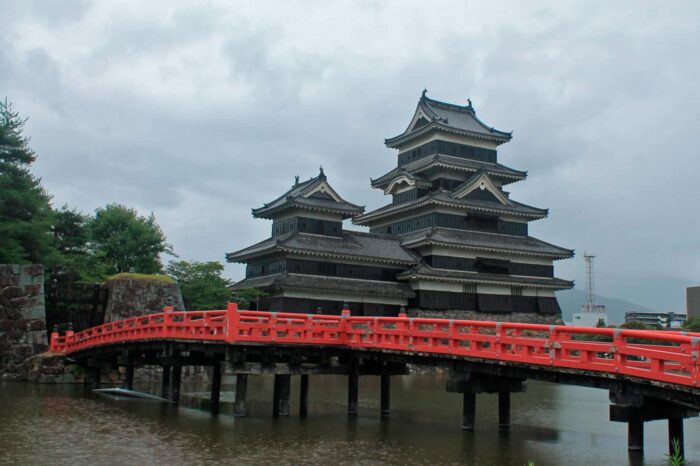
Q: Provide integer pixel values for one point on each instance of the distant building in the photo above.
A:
(450, 240)
(657, 319)
(590, 317)
(692, 299)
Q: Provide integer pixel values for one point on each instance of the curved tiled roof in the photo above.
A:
(427, 272)
(451, 118)
(506, 174)
(444, 198)
(478, 240)
(296, 196)
(352, 244)
(311, 283)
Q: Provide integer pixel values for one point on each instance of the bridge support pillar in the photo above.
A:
(503, 410)
(239, 403)
(165, 383)
(471, 383)
(129, 374)
(675, 434)
(303, 395)
(175, 379)
(215, 389)
(635, 435)
(353, 390)
(469, 411)
(280, 395)
(634, 408)
(385, 395)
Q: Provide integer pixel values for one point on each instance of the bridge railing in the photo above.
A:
(657, 355)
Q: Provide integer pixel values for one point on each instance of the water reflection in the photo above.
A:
(551, 425)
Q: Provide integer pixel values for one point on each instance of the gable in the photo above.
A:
(322, 195)
(323, 189)
(419, 120)
(481, 182)
(481, 195)
(399, 182)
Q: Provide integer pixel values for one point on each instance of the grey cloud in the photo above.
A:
(199, 114)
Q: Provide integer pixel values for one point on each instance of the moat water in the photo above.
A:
(551, 425)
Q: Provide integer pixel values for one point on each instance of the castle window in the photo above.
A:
(469, 288)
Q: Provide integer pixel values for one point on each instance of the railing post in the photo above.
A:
(70, 335)
(499, 336)
(404, 323)
(553, 345)
(232, 320)
(343, 337)
(53, 341)
(619, 342)
(167, 320)
(695, 354)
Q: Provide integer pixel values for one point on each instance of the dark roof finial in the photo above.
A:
(321, 175)
(425, 91)
(296, 180)
(469, 103)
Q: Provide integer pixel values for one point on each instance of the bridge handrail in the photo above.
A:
(650, 354)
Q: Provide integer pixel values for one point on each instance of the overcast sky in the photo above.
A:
(200, 112)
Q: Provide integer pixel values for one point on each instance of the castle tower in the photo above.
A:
(449, 207)
(310, 264)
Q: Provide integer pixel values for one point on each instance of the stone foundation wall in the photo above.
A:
(22, 316)
(526, 317)
(130, 297)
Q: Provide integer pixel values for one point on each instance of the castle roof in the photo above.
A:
(426, 272)
(483, 241)
(321, 283)
(503, 173)
(431, 115)
(351, 245)
(443, 198)
(314, 194)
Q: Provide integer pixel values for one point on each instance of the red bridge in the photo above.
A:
(650, 374)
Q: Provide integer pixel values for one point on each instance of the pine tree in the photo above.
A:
(25, 211)
(124, 241)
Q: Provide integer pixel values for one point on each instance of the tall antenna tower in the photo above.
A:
(589, 279)
(590, 305)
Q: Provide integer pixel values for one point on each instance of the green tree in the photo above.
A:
(692, 324)
(248, 296)
(72, 259)
(201, 284)
(124, 241)
(25, 211)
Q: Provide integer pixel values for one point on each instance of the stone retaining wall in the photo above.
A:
(22, 316)
(136, 297)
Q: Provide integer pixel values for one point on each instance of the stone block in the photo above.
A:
(11, 292)
(36, 325)
(20, 302)
(34, 313)
(135, 297)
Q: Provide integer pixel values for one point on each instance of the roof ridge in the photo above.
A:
(303, 184)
